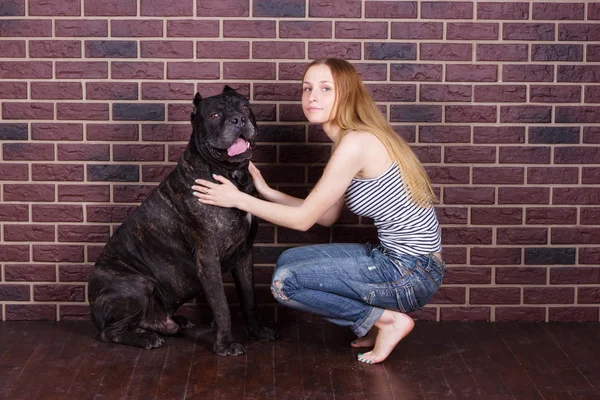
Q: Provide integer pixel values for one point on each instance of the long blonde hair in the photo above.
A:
(355, 110)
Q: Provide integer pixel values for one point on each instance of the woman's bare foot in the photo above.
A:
(366, 341)
(393, 326)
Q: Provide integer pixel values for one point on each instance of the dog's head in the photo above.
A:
(224, 126)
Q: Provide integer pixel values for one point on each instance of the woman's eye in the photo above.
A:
(325, 89)
(307, 89)
(214, 115)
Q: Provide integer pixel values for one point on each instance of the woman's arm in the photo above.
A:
(327, 194)
(278, 197)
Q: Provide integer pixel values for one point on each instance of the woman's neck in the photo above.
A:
(332, 131)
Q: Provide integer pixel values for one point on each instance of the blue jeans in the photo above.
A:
(352, 284)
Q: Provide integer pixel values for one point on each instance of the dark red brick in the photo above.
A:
(113, 173)
(337, 9)
(366, 234)
(582, 235)
(445, 93)
(455, 255)
(30, 273)
(249, 70)
(316, 234)
(74, 272)
(137, 70)
(551, 216)
(465, 314)
(552, 175)
(499, 134)
(439, 175)
(471, 31)
(14, 252)
(502, 52)
(527, 73)
(521, 275)
(81, 28)
(110, 7)
(449, 295)
(373, 51)
(578, 73)
(446, 51)
(167, 91)
(83, 152)
(575, 275)
(28, 192)
(56, 131)
(497, 295)
(577, 155)
(391, 9)
(13, 48)
(470, 154)
(471, 73)
(520, 114)
(56, 172)
(527, 31)
(526, 236)
(79, 111)
(416, 113)
(496, 216)
(221, 8)
(556, 52)
(504, 10)
(58, 292)
(573, 314)
(553, 135)
(555, 94)
(192, 28)
(82, 70)
(14, 212)
(69, 312)
(304, 153)
(579, 32)
(279, 49)
(591, 134)
(592, 94)
(590, 176)
(417, 30)
(138, 152)
(167, 49)
(159, 8)
(593, 52)
(416, 72)
(136, 28)
(462, 235)
(25, 69)
(56, 90)
(588, 295)
(452, 215)
(576, 195)
(499, 175)
(574, 114)
(30, 312)
(249, 29)
(57, 253)
(361, 30)
(83, 193)
(111, 91)
(481, 114)
(80, 233)
(28, 233)
(179, 112)
(56, 213)
(444, 133)
(271, 8)
(393, 92)
(304, 29)
(527, 195)
(428, 154)
(110, 49)
(447, 9)
(27, 110)
(113, 213)
(558, 11)
(467, 275)
(13, 90)
(212, 89)
(500, 93)
(14, 172)
(25, 27)
(165, 132)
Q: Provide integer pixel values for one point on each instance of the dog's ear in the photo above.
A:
(197, 99)
(227, 88)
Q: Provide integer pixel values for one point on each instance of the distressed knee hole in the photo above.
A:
(276, 290)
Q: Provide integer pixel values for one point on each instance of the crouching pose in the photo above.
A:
(372, 170)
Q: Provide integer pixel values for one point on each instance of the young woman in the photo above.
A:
(373, 171)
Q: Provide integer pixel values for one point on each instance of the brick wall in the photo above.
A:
(499, 99)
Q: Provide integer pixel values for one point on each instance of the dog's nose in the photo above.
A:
(238, 121)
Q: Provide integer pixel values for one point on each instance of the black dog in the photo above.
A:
(172, 248)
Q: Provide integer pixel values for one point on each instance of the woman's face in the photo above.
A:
(318, 94)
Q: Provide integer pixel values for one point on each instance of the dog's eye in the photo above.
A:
(214, 115)
(245, 107)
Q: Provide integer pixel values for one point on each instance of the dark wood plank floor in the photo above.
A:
(65, 360)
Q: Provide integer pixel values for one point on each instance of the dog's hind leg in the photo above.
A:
(159, 320)
(118, 308)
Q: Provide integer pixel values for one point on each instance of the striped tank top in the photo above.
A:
(403, 227)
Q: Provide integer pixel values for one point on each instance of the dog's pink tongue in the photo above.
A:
(238, 147)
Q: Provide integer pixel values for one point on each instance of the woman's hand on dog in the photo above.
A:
(259, 182)
(223, 194)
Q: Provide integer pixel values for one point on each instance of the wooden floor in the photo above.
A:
(43, 360)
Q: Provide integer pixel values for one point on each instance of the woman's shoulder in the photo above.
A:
(363, 137)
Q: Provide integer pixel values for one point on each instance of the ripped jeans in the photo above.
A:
(352, 284)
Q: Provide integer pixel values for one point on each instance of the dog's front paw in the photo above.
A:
(229, 349)
(264, 334)
(150, 340)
